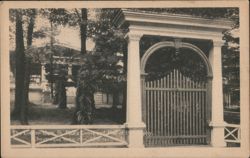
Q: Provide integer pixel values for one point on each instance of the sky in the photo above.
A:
(69, 36)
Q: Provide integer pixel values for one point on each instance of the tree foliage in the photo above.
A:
(100, 70)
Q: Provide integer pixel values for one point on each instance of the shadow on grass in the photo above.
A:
(47, 114)
(50, 114)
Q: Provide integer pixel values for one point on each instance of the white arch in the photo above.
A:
(159, 45)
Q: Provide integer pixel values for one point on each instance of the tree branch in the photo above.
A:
(78, 15)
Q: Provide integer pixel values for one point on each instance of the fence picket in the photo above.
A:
(162, 108)
(177, 106)
(174, 106)
(158, 109)
(168, 109)
(151, 107)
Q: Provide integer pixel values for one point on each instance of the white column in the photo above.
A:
(70, 70)
(43, 83)
(43, 79)
(134, 106)
(69, 73)
(217, 120)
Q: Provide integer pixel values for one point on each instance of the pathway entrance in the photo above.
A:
(175, 94)
(141, 24)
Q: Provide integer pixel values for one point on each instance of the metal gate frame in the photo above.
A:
(175, 108)
(177, 44)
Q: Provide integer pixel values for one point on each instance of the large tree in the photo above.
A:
(56, 17)
(22, 61)
(85, 84)
(28, 60)
(100, 70)
(26, 55)
(20, 56)
(111, 46)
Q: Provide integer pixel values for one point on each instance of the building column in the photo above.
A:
(134, 106)
(69, 76)
(217, 118)
(70, 70)
(43, 78)
(44, 85)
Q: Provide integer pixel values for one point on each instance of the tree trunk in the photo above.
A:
(22, 68)
(25, 100)
(85, 104)
(115, 99)
(83, 29)
(28, 59)
(51, 60)
(93, 101)
(56, 95)
(20, 57)
(31, 28)
(62, 98)
(27, 70)
(77, 102)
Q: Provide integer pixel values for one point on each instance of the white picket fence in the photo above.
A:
(85, 136)
(68, 136)
(232, 133)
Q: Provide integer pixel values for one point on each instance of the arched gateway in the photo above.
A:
(139, 24)
(176, 108)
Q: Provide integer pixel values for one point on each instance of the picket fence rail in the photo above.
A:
(68, 136)
(232, 133)
(85, 136)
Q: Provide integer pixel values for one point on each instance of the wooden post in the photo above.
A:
(33, 138)
(81, 135)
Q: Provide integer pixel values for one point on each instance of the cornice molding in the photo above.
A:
(175, 32)
(125, 17)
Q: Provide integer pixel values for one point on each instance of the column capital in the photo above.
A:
(133, 36)
(218, 43)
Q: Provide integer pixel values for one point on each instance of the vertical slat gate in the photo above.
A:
(176, 111)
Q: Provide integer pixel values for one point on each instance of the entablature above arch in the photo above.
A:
(183, 26)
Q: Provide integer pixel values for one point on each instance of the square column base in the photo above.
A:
(135, 134)
(217, 135)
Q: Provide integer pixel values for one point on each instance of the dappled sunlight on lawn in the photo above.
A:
(49, 114)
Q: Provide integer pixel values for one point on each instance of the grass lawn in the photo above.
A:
(49, 114)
